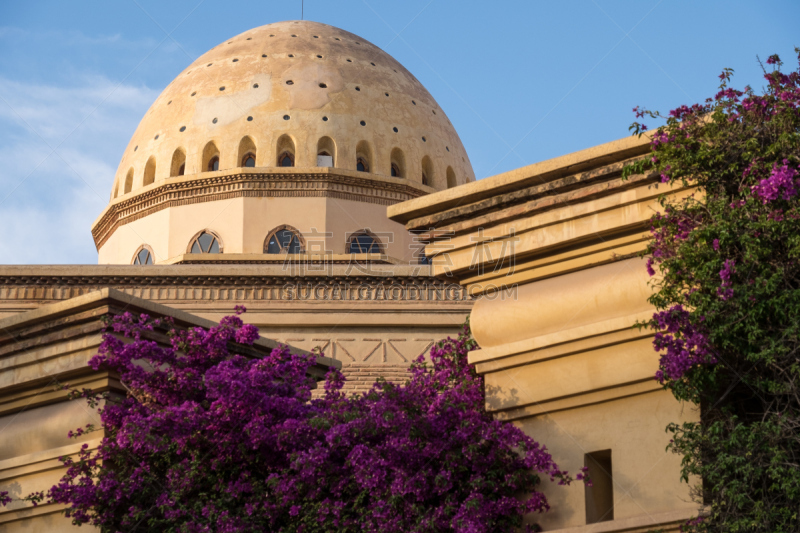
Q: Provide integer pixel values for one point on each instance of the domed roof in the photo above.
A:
(300, 87)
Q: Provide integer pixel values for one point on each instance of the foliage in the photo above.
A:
(207, 440)
(728, 297)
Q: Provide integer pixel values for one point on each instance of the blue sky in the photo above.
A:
(522, 81)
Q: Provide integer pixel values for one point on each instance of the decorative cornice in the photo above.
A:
(280, 183)
(237, 288)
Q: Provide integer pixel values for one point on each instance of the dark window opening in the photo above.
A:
(249, 160)
(144, 257)
(395, 171)
(600, 496)
(182, 169)
(284, 241)
(213, 164)
(361, 165)
(364, 244)
(205, 243)
(424, 179)
(286, 159)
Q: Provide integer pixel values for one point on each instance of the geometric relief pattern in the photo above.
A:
(365, 349)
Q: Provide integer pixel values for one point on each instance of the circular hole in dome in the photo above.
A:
(371, 63)
(235, 60)
(294, 35)
(337, 38)
(434, 111)
(255, 86)
(325, 119)
(363, 123)
(183, 128)
(291, 55)
(394, 129)
(249, 119)
(272, 35)
(358, 42)
(424, 140)
(169, 102)
(447, 148)
(263, 55)
(135, 147)
(289, 82)
(319, 56)
(230, 42)
(358, 88)
(323, 86)
(387, 94)
(214, 121)
(316, 37)
(222, 88)
(249, 38)
(194, 93)
(413, 102)
(156, 137)
(394, 69)
(286, 117)
(349, 60)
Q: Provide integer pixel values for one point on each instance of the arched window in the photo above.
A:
(205, 242)
(128, 182)
(427, 171)
(285, 151)
(286, 159)
(116, 189)
(284, 240)
(363, 243)
(178, 166)
(149, 171)
(451, 178)
(210, 158)
(326, 152)
(143, 256)
(398, 168)
(247, 152)
(363, 156)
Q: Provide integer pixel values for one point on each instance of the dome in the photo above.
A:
(292, 105)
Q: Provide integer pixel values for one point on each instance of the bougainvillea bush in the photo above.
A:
(207, 440)
(726, 266)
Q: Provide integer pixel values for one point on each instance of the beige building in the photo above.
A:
(262, 176)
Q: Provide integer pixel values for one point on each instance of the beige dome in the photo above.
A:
(210, 155)
(302, 81)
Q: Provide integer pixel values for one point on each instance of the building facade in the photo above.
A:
(262, 176)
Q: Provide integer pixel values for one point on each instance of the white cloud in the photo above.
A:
(49, 199)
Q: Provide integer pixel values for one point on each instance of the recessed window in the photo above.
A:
(213, 164)
(363, 243)
(286, 159)
(205, 243)
(143, 257)
(395, 171)
(425, 179)
(424, 259)
(600, 496)
(283, 241)
(182, 169)
(362, 165)
(249, 160)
